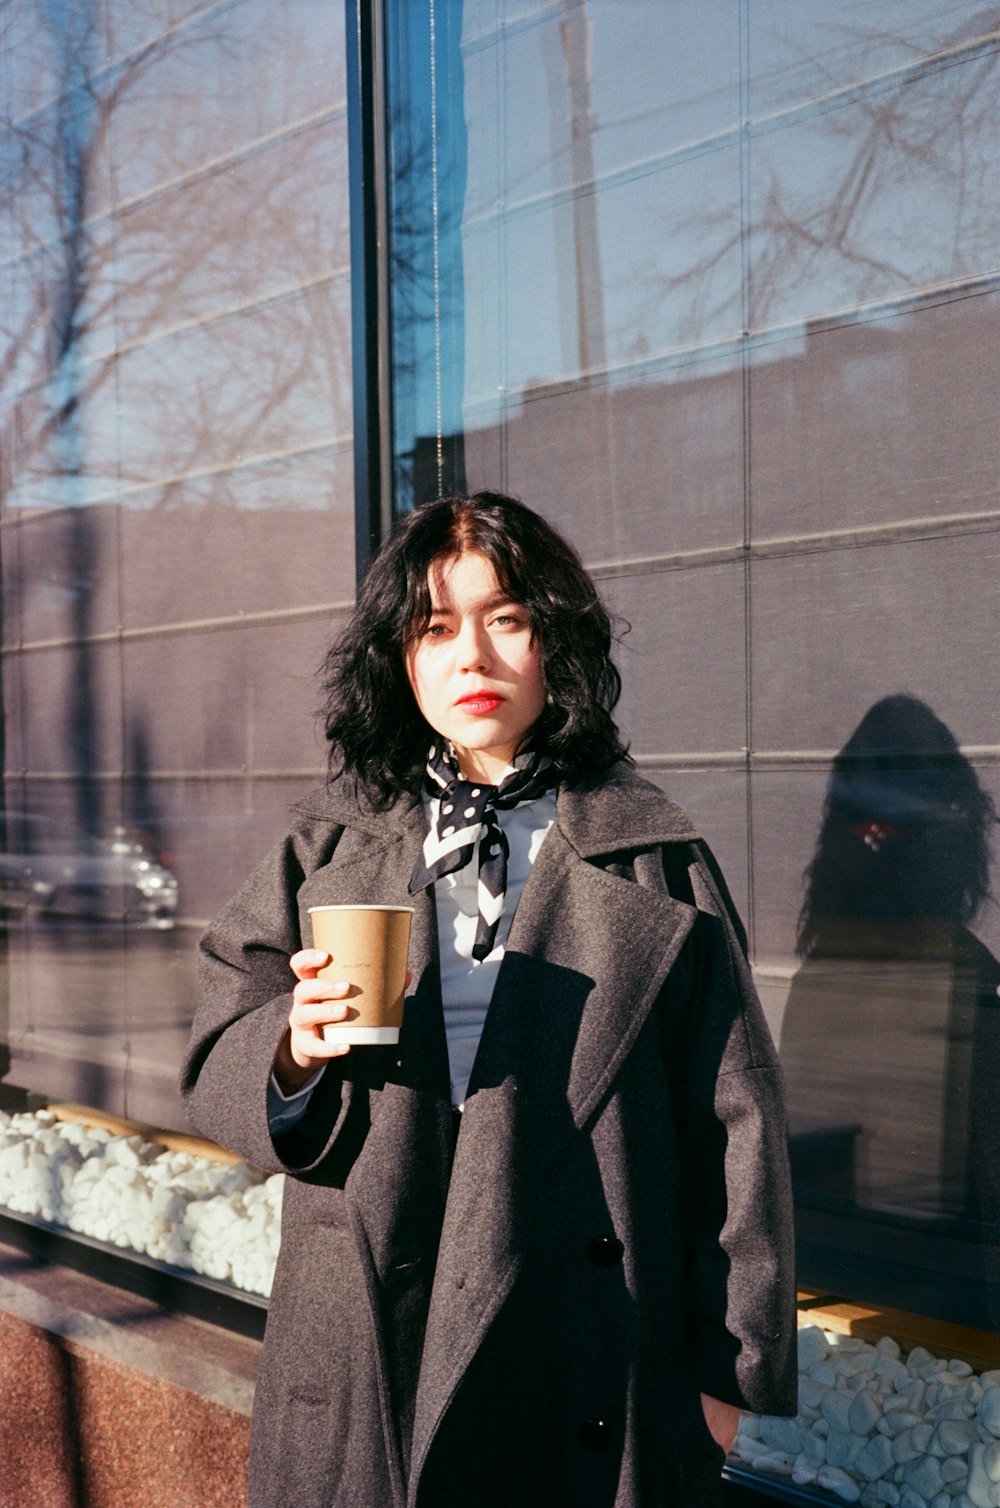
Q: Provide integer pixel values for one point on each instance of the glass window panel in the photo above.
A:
(176, 498)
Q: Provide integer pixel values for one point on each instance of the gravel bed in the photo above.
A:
(221, 1220)
(878, 1427)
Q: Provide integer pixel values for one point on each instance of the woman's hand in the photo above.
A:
(314, 1003)
(722, 1420)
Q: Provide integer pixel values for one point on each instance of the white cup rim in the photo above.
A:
(361, 906)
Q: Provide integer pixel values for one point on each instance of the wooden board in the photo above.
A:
(980, 1348)
(173, 1141)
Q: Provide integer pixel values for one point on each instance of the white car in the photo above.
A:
(48, 869)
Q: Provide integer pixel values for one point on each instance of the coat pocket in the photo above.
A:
(678, 1458)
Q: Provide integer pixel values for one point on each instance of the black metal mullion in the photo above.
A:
(368, 207)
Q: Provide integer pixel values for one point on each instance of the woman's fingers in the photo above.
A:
(316, 1002)
(308, 961)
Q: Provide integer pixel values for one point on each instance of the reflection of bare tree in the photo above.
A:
(174, 307)
(882, 182)
(124, 343)
(897, 140)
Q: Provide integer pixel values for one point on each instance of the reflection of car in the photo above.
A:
(50, 869)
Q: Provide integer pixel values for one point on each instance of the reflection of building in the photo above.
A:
(772, 435)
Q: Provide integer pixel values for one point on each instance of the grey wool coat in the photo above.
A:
(527, 1315)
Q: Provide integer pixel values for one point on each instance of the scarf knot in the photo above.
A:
(467, 818)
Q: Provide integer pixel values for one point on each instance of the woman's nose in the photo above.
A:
(473, 647)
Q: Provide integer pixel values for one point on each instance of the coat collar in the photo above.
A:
(619, 810)
(603, 814)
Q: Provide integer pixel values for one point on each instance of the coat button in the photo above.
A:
(606, 1251)
(595, 1434)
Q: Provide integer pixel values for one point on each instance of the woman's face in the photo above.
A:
(476, 668)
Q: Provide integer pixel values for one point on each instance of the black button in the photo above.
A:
(606, 1251)
(595, 1434)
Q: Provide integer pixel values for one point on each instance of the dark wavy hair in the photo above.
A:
(374, 726)
(906, 828)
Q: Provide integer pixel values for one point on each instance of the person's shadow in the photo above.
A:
(890, 1040)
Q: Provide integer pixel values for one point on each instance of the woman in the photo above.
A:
(540, 1252)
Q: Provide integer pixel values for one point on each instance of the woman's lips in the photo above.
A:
(480, 703)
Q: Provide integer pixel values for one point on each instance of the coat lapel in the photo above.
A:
(587, 955)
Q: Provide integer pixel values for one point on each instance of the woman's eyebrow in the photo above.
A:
(487, 605)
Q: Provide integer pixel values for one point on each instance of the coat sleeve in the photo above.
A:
(245, 989)
(734, 1160)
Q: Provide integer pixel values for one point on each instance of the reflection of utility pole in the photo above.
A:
(576, 31)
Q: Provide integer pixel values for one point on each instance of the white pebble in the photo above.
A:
(842, 1448)
(876, 1459)
(981, 1489)
(835, 1480)
(810, 1394)
(813, 1448)
(836, 1408)
(781, 1434)
(812, 1346)
(989, 1409)
(864, 1413)
(778, 1462)
(924, 1476)
(901, 1419)
(955, 1436)
(991, 1460)
(748, 1449)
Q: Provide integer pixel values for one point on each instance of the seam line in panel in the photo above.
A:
(903, 531)
(183, 327)
(214, 776)
(735, 762)
(337, 445)
(276, 615)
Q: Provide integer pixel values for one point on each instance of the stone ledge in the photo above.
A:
(107, 1399)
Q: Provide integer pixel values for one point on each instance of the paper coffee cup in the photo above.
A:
(368, 945)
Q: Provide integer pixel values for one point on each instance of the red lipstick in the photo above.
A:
(479, 702)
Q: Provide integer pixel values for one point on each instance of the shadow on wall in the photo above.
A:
(891, 1037)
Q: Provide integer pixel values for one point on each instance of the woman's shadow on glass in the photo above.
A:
(891, 1036)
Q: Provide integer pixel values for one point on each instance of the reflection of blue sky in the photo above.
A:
(858, 200)
(178, 202)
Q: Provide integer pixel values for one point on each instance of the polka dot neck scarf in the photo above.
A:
(467, 816)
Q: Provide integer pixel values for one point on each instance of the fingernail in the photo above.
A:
(341, 984)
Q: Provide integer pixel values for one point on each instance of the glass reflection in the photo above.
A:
(175, 439)
(891, 1035)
